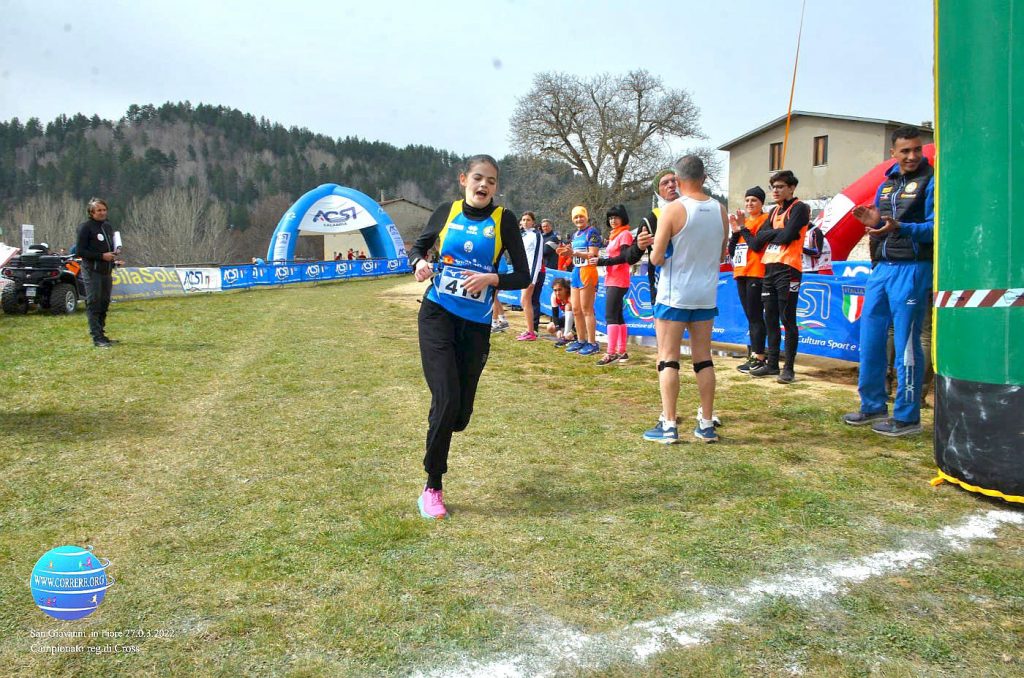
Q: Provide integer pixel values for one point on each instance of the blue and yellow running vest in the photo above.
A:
(466, 247)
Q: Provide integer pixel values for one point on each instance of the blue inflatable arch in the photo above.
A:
(331, 208)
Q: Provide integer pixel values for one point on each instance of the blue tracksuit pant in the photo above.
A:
(897, 294)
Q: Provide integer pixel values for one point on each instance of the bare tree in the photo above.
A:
(56, 218)
(614, 131)
(176, 226)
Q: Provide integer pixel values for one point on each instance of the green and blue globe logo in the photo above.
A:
(69, 582)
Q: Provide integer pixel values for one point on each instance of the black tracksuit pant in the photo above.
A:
(781, 293)
(453, 352)
(537, 289)
(98, 287)
(749, 289)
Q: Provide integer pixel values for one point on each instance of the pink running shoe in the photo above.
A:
(529, 335)
(431, 504)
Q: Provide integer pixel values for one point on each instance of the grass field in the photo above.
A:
(250, 463)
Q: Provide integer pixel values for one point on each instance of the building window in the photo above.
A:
(775, 157)
(820, 151)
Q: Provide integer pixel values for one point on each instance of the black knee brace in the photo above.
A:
(668, 364)
(697, 367)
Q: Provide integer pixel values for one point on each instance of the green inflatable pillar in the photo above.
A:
(979, 260)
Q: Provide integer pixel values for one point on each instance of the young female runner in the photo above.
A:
(454, 318)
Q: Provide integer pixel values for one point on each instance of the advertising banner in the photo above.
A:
(851, 269)
(828, 313)
(280, 274)
(145, 283)
(315, 272)
(141, 283)
(344, 269)
(200, 279)
(237, 277)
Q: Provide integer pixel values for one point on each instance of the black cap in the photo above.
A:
(756, 191)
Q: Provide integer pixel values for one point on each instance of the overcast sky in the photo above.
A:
(448, 74)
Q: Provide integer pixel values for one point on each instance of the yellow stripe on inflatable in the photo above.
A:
(938, 480)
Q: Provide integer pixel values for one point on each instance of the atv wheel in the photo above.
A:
(63, 299)
(13, 299)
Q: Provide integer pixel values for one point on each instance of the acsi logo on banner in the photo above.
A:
(231, 275)
(393, 264)
(340, 269)
(335, 216)
(283, 272)
(313, 271)
(194, 279)
(368, 267)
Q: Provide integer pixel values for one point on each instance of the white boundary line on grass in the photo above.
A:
(559, 647)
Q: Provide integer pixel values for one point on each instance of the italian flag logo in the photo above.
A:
(853, 303)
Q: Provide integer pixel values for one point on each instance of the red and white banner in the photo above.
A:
(980, 298)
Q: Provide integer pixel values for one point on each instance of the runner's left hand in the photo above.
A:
(478, 282)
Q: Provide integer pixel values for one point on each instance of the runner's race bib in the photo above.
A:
(580, 261)
(452, 281)
(739, 256)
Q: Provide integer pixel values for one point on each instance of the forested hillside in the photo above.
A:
(236, 173)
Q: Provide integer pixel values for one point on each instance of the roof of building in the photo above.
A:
(782, 118)
(385, 203)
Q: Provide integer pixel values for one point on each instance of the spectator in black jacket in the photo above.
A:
(551, 243)
(99, 256)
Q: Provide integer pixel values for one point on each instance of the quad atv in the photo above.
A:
(51, 281)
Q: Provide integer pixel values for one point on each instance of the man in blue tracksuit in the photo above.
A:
(901, 225)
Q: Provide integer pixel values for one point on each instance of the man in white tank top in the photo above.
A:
(693, 232)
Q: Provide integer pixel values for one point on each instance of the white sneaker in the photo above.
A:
(714, 418)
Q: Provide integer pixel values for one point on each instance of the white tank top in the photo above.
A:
(689, 276)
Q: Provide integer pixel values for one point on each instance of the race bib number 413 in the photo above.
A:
(453, 282)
